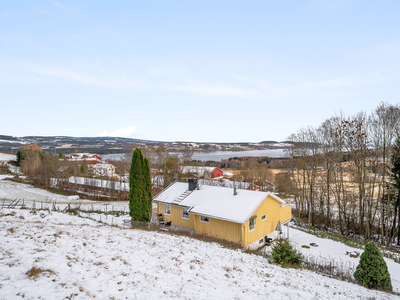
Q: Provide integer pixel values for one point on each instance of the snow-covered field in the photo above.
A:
(90, 260)
(10, 191)
(7, 157)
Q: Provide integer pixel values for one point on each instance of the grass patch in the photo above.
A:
(35, 272)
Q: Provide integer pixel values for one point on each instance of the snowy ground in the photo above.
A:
(96, 268)
(7, 157)
(9, 191)
(332, 250)
(89, 260)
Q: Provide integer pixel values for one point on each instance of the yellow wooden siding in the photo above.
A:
(220, 229)
(235, 232)
(269, 207)
(176, 216)
(286, 213)
(160, 208)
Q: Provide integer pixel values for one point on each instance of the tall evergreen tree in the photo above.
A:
(395, 182)
(140, 197)
(148, 198)
(136, 187)
(372, 270)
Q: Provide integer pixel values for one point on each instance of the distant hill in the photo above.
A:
(69, 144)
(110, 145)
(86, 139)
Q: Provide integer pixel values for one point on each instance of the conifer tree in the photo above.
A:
(136, 187)
(372, 270)
(147, 203)
(395, 182)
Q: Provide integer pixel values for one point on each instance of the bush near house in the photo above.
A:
(4, 168)
(372, 270)
(285, 254)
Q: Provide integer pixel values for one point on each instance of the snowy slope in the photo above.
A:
(95, 261)
(334, 250)
(7, 157)
(10, 191)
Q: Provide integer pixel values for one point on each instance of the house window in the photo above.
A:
(204, 219)
(167, 209)
(263, 217)
(252, 223)
(185, 213)
(261, 241)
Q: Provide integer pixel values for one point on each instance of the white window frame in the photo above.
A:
(204, 221)
(263, 217)
(167, 211)
(254, 224)
(183, 216)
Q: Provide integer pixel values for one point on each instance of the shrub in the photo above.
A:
(285, 254)
(372, 270)
(35, 272)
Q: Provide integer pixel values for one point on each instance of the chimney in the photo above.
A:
(192, 184)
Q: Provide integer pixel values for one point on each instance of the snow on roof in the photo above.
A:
(228, 174)
(216, 202)
(225, 183)
(169, 194)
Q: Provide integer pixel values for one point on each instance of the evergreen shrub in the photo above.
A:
(285, 254)
(372, 270)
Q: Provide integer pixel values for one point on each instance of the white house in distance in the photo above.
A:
(103, 170)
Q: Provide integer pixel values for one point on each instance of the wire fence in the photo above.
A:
(104, 213)
(334, 267)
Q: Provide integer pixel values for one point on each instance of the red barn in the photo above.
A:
(217, 173)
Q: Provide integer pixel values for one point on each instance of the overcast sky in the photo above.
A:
(193, 70)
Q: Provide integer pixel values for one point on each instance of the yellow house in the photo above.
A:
(242, 216)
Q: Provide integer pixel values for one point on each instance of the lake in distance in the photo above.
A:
(217, 155)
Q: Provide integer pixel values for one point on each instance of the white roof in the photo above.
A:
(215, 202)
(225, 183)
(197, 169)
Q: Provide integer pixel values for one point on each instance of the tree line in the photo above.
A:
(345, 174)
